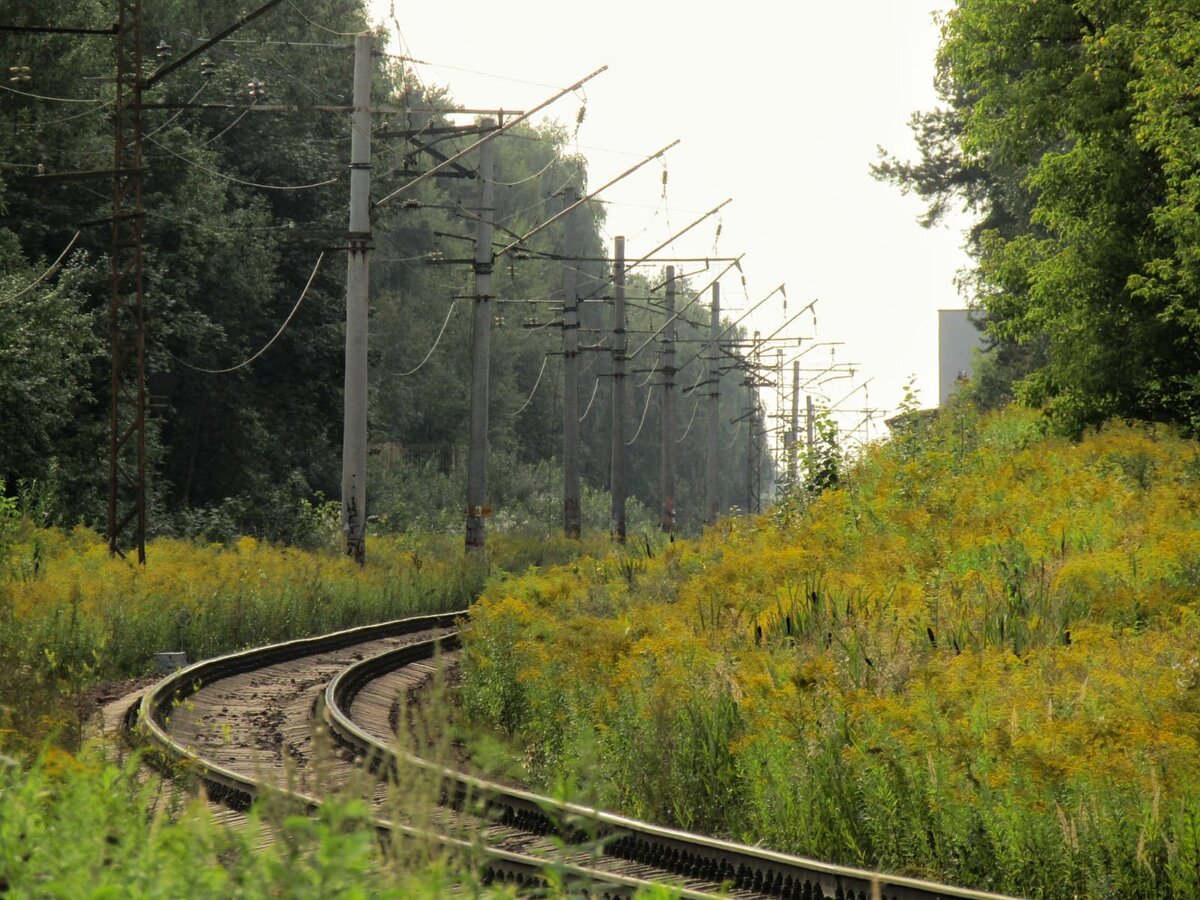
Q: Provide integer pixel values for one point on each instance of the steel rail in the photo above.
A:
(750, 869)
(146, 720)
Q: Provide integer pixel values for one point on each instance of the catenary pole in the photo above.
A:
(126, 308)
(354, 424)
(667, 457)
(793, 433)
(571, 514)
(810, 424)
(617, 475)
(711, 487)
(481, 335)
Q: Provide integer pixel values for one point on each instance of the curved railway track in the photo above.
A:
(260, 721)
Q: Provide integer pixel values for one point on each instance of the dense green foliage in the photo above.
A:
(239, 205)
(1070, 129)
(76, 827)
(88, 827)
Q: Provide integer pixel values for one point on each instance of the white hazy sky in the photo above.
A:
(779, 105)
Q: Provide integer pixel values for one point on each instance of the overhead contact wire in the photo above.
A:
(595, 390)
(529, 399)
(51, 99)
(695, 406)
(253, 184)
(301, 14)
(267, 345)
(645, 409)
(54, 265)
(437, 341)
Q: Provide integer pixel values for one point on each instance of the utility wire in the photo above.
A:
(526, 179)
(434, 65)
(402, 259)
(224, 131)
(437, 341)
(217, 136)
(301, 14)
(595, 390)
(529, 399)
(267, 345)
(54, 265)
(562, 212)
(695, 406)
(736, 433)
(52, 99)
(645, 409)
(653, 369)
(224, 229)
(253, 184)
(402, 41)
(179, 112)
(42, 123)
(542, 202)
(503, 129)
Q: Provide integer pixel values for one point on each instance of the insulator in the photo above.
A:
(207, 67)
(162, 50)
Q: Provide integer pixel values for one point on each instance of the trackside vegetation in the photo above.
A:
(85, 825)
(78, 820)
(72, 615)
(973, 659)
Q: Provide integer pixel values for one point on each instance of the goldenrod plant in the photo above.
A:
(973, 658)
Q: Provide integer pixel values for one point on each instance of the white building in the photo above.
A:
(958, 338)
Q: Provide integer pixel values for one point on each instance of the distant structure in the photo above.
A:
(958, 337)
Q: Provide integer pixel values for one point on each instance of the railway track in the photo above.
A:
(265, 721)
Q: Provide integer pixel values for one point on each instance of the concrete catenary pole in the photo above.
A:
(810, 424)
(617, 475)
(571, 514)
(711, 486)
(481, 337)
(354, 426)
(667, 456)
(793, 432)
(753, 410)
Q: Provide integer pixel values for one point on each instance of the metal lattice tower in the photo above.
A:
(126, 328)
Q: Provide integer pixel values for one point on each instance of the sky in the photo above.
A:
(779, 105)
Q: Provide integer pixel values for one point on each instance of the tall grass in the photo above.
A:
(92, 825)
(87, 826)
(71, 614)
(973, 660)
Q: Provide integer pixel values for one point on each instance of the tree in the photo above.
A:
(47, 346)
(1071, 132)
